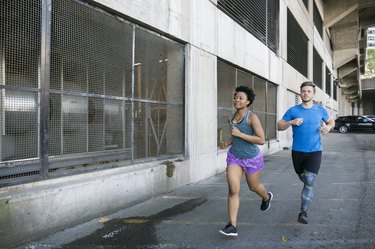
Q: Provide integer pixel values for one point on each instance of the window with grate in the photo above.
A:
(273, 25)
(98, 112)
(317, 69)
(159, 94)
(259, 17)
(20, 51)
(90, 66)
(226, 83)
(334, 92)
(228, 78)
(92, 105)
(297, 45)
(328, 81)
(259, 106)
(318, 22)
(271, 118)
(91, 56)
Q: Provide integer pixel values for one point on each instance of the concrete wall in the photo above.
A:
(32, 210)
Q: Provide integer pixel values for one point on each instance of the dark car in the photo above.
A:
(370, 116)
(354, 123)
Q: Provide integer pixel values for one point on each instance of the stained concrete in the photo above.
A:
(342, 214)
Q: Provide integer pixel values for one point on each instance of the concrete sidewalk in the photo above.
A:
(342, 214)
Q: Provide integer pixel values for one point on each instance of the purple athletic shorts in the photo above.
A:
(249, 165)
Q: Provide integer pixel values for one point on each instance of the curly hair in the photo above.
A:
(248, 91)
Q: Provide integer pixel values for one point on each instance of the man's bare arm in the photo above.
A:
(283, 125)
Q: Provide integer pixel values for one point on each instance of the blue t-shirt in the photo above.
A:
(306, 137)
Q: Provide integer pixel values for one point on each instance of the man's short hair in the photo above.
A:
(308, 83)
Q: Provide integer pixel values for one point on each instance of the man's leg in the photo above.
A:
(307, 194)
(302, 177)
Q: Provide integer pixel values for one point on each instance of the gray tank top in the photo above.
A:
(240, 147)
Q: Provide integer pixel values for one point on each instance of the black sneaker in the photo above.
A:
(302, 217)
(229, 230)
(266, 204)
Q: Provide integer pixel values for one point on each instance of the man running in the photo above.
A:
(308, 121)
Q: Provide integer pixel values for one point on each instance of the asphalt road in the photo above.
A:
(342, 214)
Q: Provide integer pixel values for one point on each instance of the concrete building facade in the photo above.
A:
(203, 50)
(347, 23)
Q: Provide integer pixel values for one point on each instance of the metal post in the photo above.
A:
(132, 98)
(44, 85)
(2, 100)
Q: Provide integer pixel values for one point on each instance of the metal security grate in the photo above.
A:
(93, 104)
(90, 80)
(273, 25)
(158, 109)
(317, 74)
(259, 17)
(297, 45)
(318, 22)
(20, 25)
(271, 111)
(328, 81)
(264, 104)
(334, 92)
(20, 42)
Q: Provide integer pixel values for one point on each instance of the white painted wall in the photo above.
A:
(202, 114)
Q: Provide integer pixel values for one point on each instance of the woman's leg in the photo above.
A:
(234, 175)
(253, 181)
